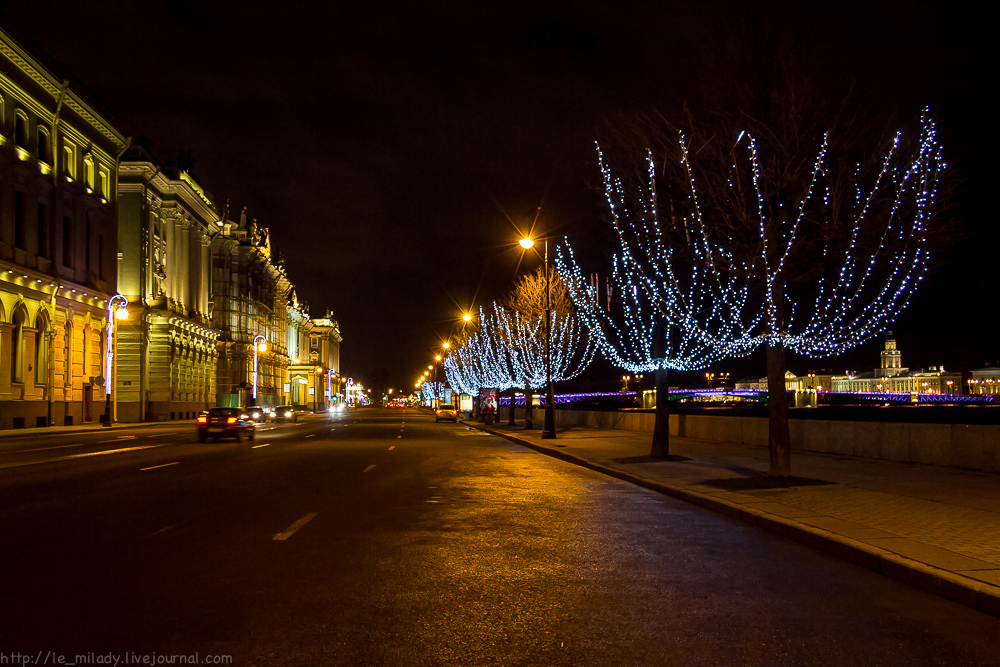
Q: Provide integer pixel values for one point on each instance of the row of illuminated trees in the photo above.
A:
(733, 234)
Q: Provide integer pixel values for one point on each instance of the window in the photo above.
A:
(43, 237)
(44, 146)
(86, 244)
(67, 242)
(20, 129)
(88, 172)
(105, 186)
(68, 354)
(41, 350)
(19, 219)
(69, 160)
(15, 346)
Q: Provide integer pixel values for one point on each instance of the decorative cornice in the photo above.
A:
(50, 84)
(129, 172)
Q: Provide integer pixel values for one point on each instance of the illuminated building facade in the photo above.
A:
(58, 236)
(250, 294)
(166, 349)
(985, 381)
(892, 377)
(314, 354)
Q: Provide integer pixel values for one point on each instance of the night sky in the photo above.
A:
(393, 149)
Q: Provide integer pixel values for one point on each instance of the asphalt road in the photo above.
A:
(382, 538)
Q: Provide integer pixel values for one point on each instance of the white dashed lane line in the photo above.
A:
(79, 456)
(162, 465)
(288, 532)
(44, 449)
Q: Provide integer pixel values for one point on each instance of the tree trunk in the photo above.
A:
(510, 417)
(661, 424)
(528, 423)
(778, 438)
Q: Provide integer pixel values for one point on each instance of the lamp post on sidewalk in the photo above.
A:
(117, 310)
(549, 427)
(261, 346)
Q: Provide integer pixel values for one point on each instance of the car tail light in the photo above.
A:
(202, 419)
(231, 420)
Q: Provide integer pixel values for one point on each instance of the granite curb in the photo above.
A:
(931, 579)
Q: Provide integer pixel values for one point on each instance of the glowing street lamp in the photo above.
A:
(467, 317)
(549, 427)
(261, 347)
(117, 310)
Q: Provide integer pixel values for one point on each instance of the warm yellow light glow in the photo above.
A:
(437, 357)
(262, 347)
(526, 242)
(467, 317)
(446, 345)
(121, 314)
(296, 360)
(430, 368)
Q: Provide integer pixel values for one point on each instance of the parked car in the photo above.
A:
(446, 412)
(225, 423)
(284, 413)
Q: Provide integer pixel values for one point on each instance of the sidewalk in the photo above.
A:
(934, 528)
(87, 427)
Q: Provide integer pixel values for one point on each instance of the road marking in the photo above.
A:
(288, 532)
(126, 437)
(80, 456)
(163, 530)
(264, 445)
(392, 447)
(311, 435)
(42, 449)
(160, 435)
(369, 468)
(398, 436)
(164, 465)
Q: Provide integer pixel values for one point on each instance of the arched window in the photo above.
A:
(16, 346)
(68, 354)
(20, 129)
(88, 346)
(41, 349)
(44, 146)
(88, 171)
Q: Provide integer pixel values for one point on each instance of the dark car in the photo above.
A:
(225, 423)
(446, 412)
(284, 413)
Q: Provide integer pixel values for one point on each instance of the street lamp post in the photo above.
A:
(262, 346)
(549, 427)
(117, 310)
(437, 380)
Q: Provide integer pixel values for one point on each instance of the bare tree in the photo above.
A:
(798, 236)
